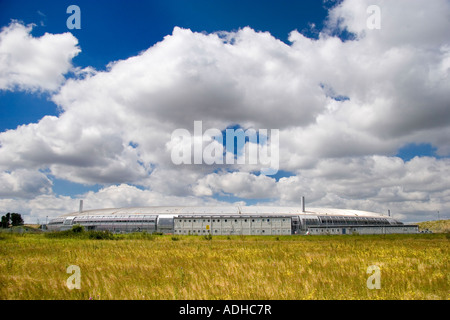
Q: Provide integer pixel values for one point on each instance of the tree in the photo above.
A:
(5, 222)
(77, 228)
(6, 219)
(16, 219)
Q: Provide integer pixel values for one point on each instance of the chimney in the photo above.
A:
(389, 212)
(81, 207)
(303, 204)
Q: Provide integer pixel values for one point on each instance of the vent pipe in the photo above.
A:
(80, 210)
(303, 204)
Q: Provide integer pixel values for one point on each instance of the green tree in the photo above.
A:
(77, 228)
(16, 219)
(5, 220)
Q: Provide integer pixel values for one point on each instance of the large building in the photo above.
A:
(232, 220)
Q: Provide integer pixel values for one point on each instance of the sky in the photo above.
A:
(357, 90)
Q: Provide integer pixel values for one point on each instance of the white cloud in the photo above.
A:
(240, 184)
(343, 110)
(403, 22)
(413, 190)
(23, 184)
(34, 64)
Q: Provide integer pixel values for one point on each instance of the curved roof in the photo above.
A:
(222, 210)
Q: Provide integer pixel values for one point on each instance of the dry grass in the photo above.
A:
(295, 267)
(437, 226)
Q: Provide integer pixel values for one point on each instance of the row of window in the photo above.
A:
(332, 230)
(231, 231)
(84, 220)
(128, 229)
(112, 217)
(55, 222)
(226, 220)
(113, 221)
(323, 230)
(310, 222)
(352, 220)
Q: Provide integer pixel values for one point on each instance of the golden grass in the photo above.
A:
(437, 226)
(294, 267)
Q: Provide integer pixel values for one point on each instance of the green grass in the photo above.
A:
(143, 266)
(437, 226)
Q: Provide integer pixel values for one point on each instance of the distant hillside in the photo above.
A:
(437, 226)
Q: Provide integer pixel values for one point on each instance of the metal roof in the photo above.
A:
(223, 210)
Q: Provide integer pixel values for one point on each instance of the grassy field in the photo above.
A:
(438, 226)
(33, 266)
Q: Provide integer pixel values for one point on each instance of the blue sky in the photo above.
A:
(355, 106)
(115, 30)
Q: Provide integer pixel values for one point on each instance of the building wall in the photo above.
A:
(226, 224)
(363, 230)
(129, 223)
(232, 225)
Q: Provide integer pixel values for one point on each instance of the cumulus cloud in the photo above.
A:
(34, 64)
(343, 110)
(24, 184)
(240, 184)
(412, 190)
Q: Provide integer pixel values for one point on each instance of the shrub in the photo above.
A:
(78, 232)
(101, 235)
(77, 228)
(208, 236)
(141, 235)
